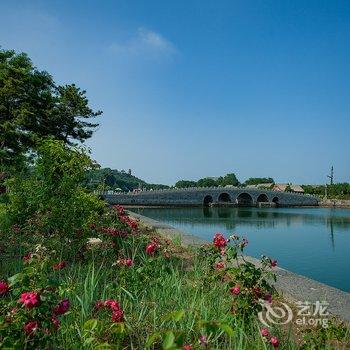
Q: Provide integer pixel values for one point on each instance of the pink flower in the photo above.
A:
(118, 315)
(56, 322)
(264, 332)
(112, 304)
(60, 265)
(151, 248)
(203, 340)
(274, 342)
(187, 347)
(235, 290)
(4, 287)
(273, 263)
(62, 307)
(220, 265)
(30, 299)
(219, 240)
(31, 327)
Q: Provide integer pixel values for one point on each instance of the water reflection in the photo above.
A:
(310, 241)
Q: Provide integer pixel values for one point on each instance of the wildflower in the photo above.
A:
(203, 340)
(125, 262)
(264, 332)
(219, 240)
(29, 299)
(92, 226)
(235, 290)
(220, 265)
(60, 265)
(268, 298)
(151, 248)
(274, 342)
(27, 257)
(56, 322)
(4, 287)
(273, 263)
(257, 292)
(31, 327)
(118, 315)
(94, 241)
(62, 307)
(16, 228)
(187, 347)
(112, 304)
(223, 251)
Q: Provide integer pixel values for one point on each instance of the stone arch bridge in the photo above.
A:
(212, 196)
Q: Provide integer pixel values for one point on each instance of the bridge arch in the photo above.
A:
(244, 200)
(207, 200)
(224, 197)
(275, 200)
(262, 198)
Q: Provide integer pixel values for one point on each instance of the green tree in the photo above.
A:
(185, 184)
(32, 107)
(229, 180)
(259, 180)
(207, 182)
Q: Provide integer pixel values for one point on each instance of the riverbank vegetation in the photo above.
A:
(77, 274)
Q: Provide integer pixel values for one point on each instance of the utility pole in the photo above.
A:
(331, 176)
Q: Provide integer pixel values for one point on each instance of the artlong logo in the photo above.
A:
(308, 314)
(277, 314)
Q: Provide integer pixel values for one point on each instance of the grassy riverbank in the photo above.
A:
(77, 274)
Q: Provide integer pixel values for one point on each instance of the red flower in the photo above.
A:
(16, 228)
(274, 342)
(27, 257)
(118, 315)
(187, 347)
(56, 322)
(219, 240)
(62, 307)
(273, 263)
(264, 332)
(268, 298)
(220, 265)
(257, 292)
(60, 265)
(151, 248)
(4, 287)
(235, 290)
(31, 327)
(30, 299)
(112, 304)
(92, 226)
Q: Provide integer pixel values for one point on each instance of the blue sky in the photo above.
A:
(201, 88)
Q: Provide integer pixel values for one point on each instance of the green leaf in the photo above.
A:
(13, 280)
(227, 329)
(175, 316)
(168, 341)
(90, 325)
(152, 339)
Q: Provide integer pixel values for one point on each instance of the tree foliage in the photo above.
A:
(259, 180)
(32, 107)
(227, 180)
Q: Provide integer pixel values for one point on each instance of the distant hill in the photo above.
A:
(112, 179)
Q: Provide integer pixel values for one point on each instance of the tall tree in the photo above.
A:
(32, 106)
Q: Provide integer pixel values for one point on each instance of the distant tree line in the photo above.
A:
(112, 179)
(227, 180)
(337, 191)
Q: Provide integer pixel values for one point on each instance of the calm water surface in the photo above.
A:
(314, 242)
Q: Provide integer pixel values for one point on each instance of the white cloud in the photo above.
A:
(145, 42)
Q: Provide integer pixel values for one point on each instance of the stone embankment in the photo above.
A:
(334, 203)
